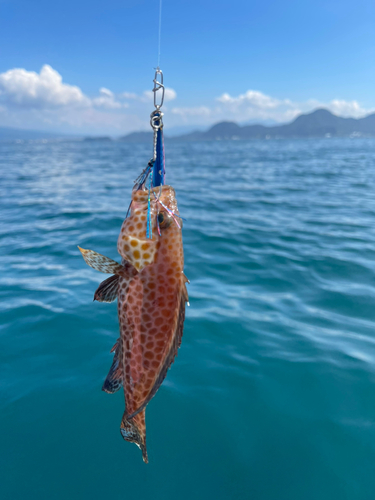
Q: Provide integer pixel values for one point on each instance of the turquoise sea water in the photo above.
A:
(272, 395)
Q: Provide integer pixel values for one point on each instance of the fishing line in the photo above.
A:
(155, 168)
(159, 33)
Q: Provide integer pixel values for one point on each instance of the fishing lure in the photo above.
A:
(150, 287)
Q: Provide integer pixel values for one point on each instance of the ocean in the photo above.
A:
(272, 394)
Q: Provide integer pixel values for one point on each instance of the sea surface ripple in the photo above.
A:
(272, 395)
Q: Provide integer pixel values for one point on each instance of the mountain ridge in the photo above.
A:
(318, 123)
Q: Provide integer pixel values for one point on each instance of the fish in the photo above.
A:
(150, 286)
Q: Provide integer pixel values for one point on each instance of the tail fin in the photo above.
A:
(134, 430)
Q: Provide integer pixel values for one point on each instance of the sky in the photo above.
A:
(86, 67)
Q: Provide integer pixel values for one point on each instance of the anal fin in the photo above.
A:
(185, 294)
(113, 382)
(107, 290)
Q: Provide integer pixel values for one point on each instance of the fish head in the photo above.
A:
(137, 245)
(168, 219)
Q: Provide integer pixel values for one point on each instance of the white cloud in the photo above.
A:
(255, 106)
(252, 98)
(170, 94)
(148, 95)
(348, 108)
(252, 105)
(339, 107)
(198, 111)
(46, 89)
(42, 100)
(107, 100)
(129, 95)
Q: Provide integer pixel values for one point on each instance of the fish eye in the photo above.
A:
(164, 220)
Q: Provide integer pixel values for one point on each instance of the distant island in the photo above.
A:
(97, 139)
(319, 123)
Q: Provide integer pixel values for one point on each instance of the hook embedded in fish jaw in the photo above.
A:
(170, 212)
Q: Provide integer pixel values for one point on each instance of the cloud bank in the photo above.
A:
(43, 100)
(43, 90)
(253, 106)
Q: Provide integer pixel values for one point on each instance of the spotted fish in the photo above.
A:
(151, 290)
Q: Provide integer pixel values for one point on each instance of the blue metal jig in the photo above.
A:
(158, 173)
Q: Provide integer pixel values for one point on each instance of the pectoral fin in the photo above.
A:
(184, 290)
(107, 290)
(185, 294)
(101, 263)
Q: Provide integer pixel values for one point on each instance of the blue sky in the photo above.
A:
(248, 61)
